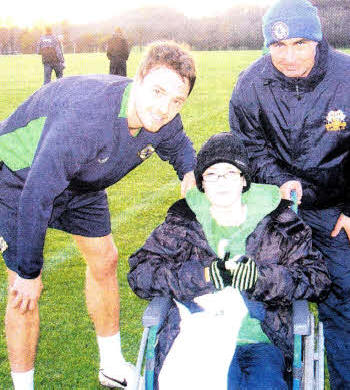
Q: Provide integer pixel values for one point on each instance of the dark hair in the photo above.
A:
(171, 55)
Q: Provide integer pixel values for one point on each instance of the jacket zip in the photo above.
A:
(297, 90)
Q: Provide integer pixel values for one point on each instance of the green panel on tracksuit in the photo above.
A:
(17, 148)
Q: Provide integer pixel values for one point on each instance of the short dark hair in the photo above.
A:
(171, 55)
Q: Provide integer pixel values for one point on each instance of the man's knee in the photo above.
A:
(106, 265)
(100, 254)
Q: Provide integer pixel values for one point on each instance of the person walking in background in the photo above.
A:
(291, 108)
(117, 53)
(50, 49)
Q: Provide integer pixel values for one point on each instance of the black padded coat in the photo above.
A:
(172, 261)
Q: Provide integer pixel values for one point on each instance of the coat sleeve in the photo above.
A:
(346, 206)
(295, 270)
(126, 49)
(244, 118)
(169, 265)
(59, 50)
(109, 48)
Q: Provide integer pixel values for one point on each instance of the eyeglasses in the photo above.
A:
(230, 175)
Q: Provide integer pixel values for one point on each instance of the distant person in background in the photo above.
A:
(50, 49)
(117, 53)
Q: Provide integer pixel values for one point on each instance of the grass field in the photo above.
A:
(67, 353)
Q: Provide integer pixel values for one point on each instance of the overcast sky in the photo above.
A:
(30, 12)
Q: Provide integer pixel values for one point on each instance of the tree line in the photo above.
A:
(236, 28)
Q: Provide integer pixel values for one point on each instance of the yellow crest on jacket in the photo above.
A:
(335, 121)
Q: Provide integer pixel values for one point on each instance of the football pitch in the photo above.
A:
(67, 354)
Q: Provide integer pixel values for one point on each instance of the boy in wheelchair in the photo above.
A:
(233, 256)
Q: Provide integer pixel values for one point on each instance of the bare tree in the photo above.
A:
(239, 27)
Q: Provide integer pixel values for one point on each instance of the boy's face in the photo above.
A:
(294, 57)
(223, 184)
(158, 97)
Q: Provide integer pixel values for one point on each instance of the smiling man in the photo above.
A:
(59, 151)
(291, 108)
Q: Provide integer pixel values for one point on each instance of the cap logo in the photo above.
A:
(280, 31)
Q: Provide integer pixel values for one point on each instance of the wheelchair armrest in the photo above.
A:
(301, 318)
(156, 311)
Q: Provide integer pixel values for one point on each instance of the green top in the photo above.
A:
(260, 200)
(17, 149)
(123, 113)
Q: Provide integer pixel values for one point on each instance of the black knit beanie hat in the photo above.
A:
(222, 147)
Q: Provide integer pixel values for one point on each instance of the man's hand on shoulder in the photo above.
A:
(343, 222)
(187, 183)
(25, 293)
(289, 186)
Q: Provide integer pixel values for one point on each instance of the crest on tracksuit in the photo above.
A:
(335, 120)
(3, 245)
(146, 152)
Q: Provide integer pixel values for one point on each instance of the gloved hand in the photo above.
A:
(239, 272)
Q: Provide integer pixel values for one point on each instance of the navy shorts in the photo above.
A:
(85, 214)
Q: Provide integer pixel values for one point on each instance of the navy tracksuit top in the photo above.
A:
(73, 134)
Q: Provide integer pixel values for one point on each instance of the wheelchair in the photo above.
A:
(308, 360)
(308, 365)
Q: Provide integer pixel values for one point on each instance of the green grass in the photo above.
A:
(67, 353)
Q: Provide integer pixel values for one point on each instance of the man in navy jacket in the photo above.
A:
(50, 49)
(59, 151)
(291, 108)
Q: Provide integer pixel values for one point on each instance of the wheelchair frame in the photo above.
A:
(308, 360)
(308, 365)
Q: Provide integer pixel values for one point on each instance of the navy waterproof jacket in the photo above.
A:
(172, 261)
(298, 129)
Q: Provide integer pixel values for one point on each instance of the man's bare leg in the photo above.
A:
(102, 292)
(22, 332)
(102, 299)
